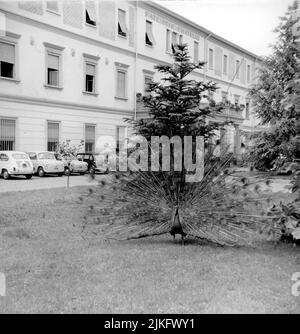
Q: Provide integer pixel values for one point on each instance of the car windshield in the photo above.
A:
(19, 156)
(46, 156)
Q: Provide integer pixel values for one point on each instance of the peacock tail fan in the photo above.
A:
(221, 208)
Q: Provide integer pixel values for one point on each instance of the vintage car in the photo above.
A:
(73, 165)
(46, 163)
(96, 162)
(15, 163)
(289, 167)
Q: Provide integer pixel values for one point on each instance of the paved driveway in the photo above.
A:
(21, 184)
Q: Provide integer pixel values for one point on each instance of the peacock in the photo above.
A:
(222, 209)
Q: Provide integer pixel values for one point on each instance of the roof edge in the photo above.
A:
(198, 27)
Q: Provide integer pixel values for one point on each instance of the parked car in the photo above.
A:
(73, 165)
(96, 162)
(15, 163)
(289, 167)
(46, 163)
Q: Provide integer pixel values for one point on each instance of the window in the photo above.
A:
(236, 99)
(180, 39)
(211, 58)
(121, 80)
(196, 51)
(237, 69)
(224, 97)
(53, 136)
(122, 28)
(121, 84)
(90, 74)
(247, 112)
(248, 73)
(174, 39)
(149, 38)
(168, 40)
(7, 60)
(52, 6)
(225, 64)
(90, 13)
(53, 65)
(148, 80)
(121, 138)
(7, 134)
(53, 70)
(90, 131)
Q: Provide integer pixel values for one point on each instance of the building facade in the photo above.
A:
(71, 70)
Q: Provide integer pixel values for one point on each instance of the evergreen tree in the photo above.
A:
(275, 98)
(174, 103)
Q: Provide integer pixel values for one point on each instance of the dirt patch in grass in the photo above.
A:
(51, 267)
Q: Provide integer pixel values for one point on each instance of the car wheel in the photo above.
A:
(91, 170)
(67, 171)
(41, 172)
(28, 177)
(5, 174)
(82, 173)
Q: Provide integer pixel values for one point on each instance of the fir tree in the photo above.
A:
(276, 98)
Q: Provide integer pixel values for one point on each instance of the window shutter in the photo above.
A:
(90, 69)
(174, 38)
(89, 133)
(211, 58)
(168, 40)
(149, 32)
(122, 20)
(7, 53)
(196, 51)
(90, 7)
(52, 5)
(53, 62)
(53, 132)
(121, 82)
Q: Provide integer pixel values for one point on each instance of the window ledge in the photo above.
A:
(54, 87)
(121, 36)
(149, 46)
(91, 25)
(121, 98)
(90, 93)
(53, 12)
(10, 79)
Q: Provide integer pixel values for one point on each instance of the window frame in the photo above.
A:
(12, 39)
(85, 142)
(119, 67)
(237, 69)
(54, 50)
(225, 56)
(211, 59)
(147, 75)
(124, 34)
(89, 15)
(58, 12)
(47, 132)
(146, 34)
(168, 41)
(248, 73)
(15, 130)
(90, 60)
(196, 51)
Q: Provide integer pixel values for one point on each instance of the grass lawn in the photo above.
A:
(51, 268)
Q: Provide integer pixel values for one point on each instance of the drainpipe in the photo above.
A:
(135, 60)
(206, 50)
